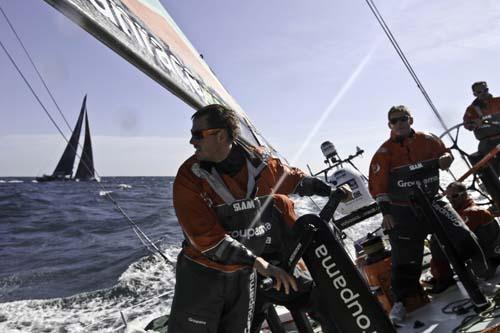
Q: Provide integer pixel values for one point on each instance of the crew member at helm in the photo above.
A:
(225, 203)
(483, 118)
(390, 189)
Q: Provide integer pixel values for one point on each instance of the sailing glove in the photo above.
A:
(312, 185)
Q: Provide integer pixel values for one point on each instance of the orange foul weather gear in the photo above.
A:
(394, 153)
(480, 109)
(195, 200)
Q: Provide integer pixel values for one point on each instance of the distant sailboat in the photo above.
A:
(64, 169)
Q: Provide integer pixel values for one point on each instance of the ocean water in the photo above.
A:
(70, 262)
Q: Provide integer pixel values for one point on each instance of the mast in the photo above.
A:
(85, 169)
(65, 166)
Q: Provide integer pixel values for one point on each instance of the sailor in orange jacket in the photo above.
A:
(484, 107)
(483, 118)
(480, 221)
(224, 201)
(406, 232)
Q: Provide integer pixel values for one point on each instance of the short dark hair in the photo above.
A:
(398, 108)
(219, 116)
(458, 186)
(479, 84)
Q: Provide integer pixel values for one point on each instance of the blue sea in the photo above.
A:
(70, 261)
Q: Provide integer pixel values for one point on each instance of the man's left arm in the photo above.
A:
(293, 180)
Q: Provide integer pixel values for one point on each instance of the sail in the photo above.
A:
(143, 33)
(65, 166)
(85, 169)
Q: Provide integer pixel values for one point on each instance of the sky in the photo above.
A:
(304, 72)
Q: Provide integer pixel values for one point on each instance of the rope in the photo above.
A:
(150, 246)
(34, 66)
(408, 66)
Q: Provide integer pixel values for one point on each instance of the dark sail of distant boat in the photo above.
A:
(64, 169)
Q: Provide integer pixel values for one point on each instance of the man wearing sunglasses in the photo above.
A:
(406, 233)
(230, 200)
(483, 118)
(480, 221)
(477, 114)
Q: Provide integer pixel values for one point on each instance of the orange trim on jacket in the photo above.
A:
(418, 147)
(194, 197)
(492, 106)
(473, 215)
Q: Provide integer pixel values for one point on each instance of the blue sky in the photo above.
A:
(285, 65)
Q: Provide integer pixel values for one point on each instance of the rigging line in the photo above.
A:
(34, 66)
(140, 234)
(46, 87)
(408, 66)
(32, 91)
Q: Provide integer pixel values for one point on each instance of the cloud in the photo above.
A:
(442, 28)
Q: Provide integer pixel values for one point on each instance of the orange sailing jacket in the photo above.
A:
(491, 106)
(194, 199)
(418, 147)
(473, 215)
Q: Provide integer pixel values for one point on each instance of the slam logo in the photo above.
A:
(416, 166)
(243, 205)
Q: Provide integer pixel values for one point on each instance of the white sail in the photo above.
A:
(143, 32)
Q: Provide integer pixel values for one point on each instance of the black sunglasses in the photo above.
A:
(393, 121)
(201, 134)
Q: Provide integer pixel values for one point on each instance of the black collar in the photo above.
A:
(235, 161)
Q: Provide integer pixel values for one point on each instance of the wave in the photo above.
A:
(144, 291)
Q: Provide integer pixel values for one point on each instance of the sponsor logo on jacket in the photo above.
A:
(243, 205)
(411, 183)
(415, 166)
(251, 232)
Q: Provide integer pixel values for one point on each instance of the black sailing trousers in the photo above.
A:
(210, 301)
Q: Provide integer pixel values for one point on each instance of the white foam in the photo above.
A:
(143, 292)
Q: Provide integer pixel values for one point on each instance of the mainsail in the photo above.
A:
(143, 32)
(65, 166)
(85, 169)
(64, 169)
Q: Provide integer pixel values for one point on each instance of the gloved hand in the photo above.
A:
(445, 161)
(347, 193)
(311, 185)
